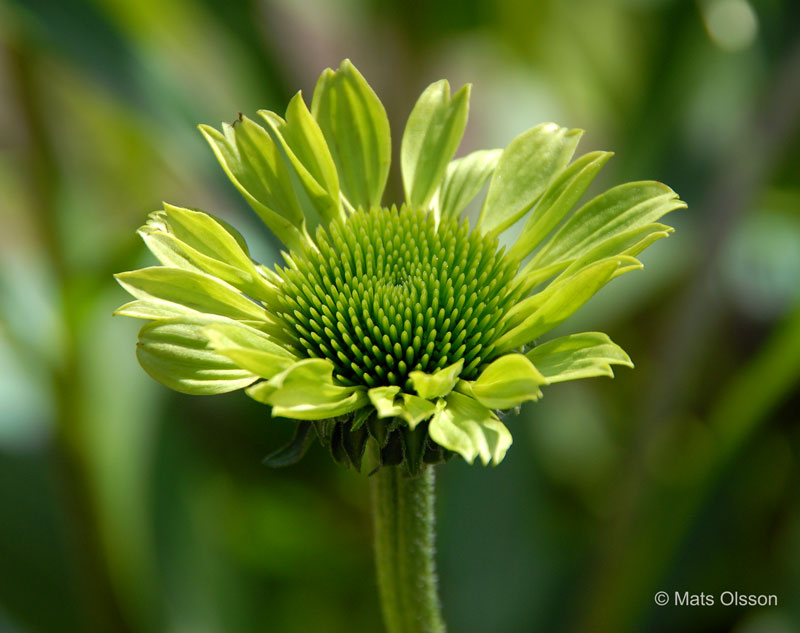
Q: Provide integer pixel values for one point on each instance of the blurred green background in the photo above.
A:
(125, 507)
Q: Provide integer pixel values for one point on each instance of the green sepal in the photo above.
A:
(379, 431)
(295, 450)
(523, 173)
(431, 137)
(563, 193)
(356, 129)
(463, 179)
(508, 382)
(392, 452)
(583, 355)
(256, 167)
(175, 353)
(301, 138)
(437, 384)
(355, 443)
(413, 441)
(338, 451)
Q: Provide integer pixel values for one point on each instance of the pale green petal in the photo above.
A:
(470, 429)
(154, 309)
(523, 172)
(616, 211)
(578, 356)
(563, 193)
(306, 391)
(249, 348)
(431, 138)
(382, 398)
(301, 138)
(557, 302)
(256, 167)
(507, 382)
(196, 290)
(193, 240)
(356, 129)
(175, 353)
(464, 178)
(416, 409)
(410, 408)
(437, 384)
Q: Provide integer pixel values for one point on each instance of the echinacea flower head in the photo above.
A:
(398, 323)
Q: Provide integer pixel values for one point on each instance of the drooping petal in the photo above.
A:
(437, 384)
(576, 356)
(306, 391)
(356, 129)
(431, 138)
(464, 425)
(193, 240)
(614, 212)
(523, 172)
(390, 403)
(507, 382)
(254, 163)
(563, 193)
(175, 353)
(463, 179)
(190, 289)
(249, 348)
(541, 313)
(301, 138)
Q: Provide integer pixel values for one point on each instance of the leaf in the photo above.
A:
(356, 129)
(464, 178)
(301, 138)
(249, 349)
(562, 194)
(437, 384)
(194, 240)
(578, 356)
(614, 212)
(294, 451)
(254, 164)
(470, 429)
(523, 172)
(195, 290)
(174, 352)
(560, 303)
(305, 391)
(431, 137)
(507, 382)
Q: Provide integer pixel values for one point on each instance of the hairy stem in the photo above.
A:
(404, 552)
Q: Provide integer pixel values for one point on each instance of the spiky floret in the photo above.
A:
(387, 292)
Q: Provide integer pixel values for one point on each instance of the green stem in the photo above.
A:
(404, 553)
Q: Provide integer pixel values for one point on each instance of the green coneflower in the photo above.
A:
(402, 323)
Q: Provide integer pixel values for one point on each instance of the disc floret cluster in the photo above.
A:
(399, 325)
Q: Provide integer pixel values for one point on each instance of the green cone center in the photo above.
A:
(388, 292)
